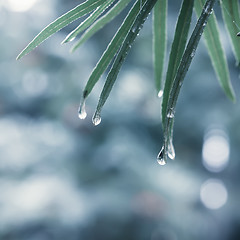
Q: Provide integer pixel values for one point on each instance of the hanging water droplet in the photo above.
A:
(171, 150)
(82, 114)
(171, 113)
(160, 157)
(238, 34)
(96, 120)
(160, 93)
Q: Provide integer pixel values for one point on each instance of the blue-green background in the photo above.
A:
(63, 178)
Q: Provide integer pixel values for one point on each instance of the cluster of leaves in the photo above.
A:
(101, 12)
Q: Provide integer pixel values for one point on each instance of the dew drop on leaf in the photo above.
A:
(160, 93)
(171, 150)
(96, 120)
(82, 114)
(71, 39)
(160, 157)
(170, 113)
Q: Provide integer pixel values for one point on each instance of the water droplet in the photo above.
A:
(193, 53)
(238, 34)
(96, 119)
(171, 113)
(160, 157)
(171, 150)
(82, 114)
(71, 39)
(160, 93)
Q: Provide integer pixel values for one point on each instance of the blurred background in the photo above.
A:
(63, 178)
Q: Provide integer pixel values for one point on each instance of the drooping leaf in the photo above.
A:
(231, 16)
(122, 54)
(101, 22)
(61, 22)
(186, 60)
(216, 52)
(88, 21)
(111, 50)
(178, 46)
(159, 41)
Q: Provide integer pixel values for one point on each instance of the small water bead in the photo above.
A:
(160, 157)
(171, 113)
(72, 39)
(96, 120)
(193, 53)
(238, 34)
(82, 114)
(160, 93)
(171, 150)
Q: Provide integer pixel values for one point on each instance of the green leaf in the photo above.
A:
(231, 16)
(88, 21)
(111, 50)
(178, 46)
(101, 22)
(181, 73)
(121, 56)
(216, 52)
(61, 22)
(159, 41)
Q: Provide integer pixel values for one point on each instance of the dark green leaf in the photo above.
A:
(178, 46)
(216, 52)
(123, 52)
(181, 72)
(231, 15)
(112, 49)
(159, 41)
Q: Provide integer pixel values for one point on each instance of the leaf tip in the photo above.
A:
(20, 55)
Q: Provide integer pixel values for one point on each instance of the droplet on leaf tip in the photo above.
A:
(82, 114)
(96, 120)
(171, 150)
(160, 157)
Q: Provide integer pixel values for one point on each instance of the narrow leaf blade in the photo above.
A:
(61, 22)
(112, 48)
(101, 22)
(122, 54)
(159, 40)
(231, 15)
(88, 21)
(178, 46)
(216, 52)
(185, 62)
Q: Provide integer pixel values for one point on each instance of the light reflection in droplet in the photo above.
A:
(160, 93)
(216, 150)
(213, 194)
